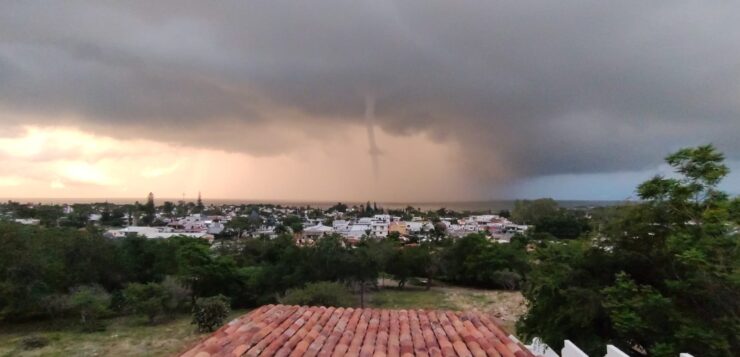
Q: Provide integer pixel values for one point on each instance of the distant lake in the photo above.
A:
(477, 206)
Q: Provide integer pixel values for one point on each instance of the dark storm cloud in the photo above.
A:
(538, 87)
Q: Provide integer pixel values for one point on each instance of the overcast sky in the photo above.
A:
(473, 100)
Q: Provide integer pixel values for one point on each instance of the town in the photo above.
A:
(370, 178)
(306, 224)
(133, 268)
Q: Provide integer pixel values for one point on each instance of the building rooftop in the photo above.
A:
(282, 330)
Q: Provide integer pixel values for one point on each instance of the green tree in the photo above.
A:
(168, 208)
(199, 207)
(364, 269)
(529, 212)
(663, 278)
(148, 299)
(210, 312)
(206, 273)
(322, 293)
(550, 219)
(281, 229)
(90, 302)
(112, 218)
(439, 231)
(238, 225)
(408, 262)
(474, 260)
(296, 227)
(156, 299)
(149, 210)
(49, 215)
(339, 207)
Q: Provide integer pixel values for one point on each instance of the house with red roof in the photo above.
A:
(282, 330)
(298, 331)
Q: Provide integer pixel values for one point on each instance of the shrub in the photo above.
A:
(154, 299)
(506, 279)
(33, 342)
(210, 312)
(322, 293)
(147, 299)
(90, 302)
(56, 305)
(178, 295)
(416, 282)
(118, 302)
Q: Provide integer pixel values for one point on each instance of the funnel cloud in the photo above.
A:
(373, 150)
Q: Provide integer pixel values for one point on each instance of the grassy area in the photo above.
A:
(410, 298)
(124, 336)
(507, 306)
(131, 336)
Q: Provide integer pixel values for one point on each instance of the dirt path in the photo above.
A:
(507, 306)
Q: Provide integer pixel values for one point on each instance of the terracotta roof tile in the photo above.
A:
(297, 331)
(315, 338)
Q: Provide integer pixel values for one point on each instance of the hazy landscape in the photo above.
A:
(370, 178)
(472, 206)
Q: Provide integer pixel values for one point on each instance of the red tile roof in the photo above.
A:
(281, 330)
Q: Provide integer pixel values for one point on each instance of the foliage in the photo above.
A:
(662, 278)
(199, 206)
(149, 210)
(238, 225)
(124, 336)
(36, 263)
(90, 303)
(529, 212)
(563, 291)
(33, 342)
(296, 227)
(155, 299)
(364, 268)
(548, 218)
(294, 222)
(145, 299)
(474, 260)
(407, 263)
(339, 207)
(506, 279)
(210, 312)
(178, 295)
(322, 293)
(39, 266)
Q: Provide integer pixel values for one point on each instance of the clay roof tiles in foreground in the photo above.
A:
(291, 331)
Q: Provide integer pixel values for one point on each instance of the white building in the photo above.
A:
(379, 225)
(193, 223)
(138, 230)
(356, 231)
(28, 221)
(317, 231)
(154, 233)
(416, 227)
(342, 227)
(215, 227)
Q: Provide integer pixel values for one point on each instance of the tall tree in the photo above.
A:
(199, 207)
(168, 208)
(149, 210)
(238, 225)
(529, 212)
